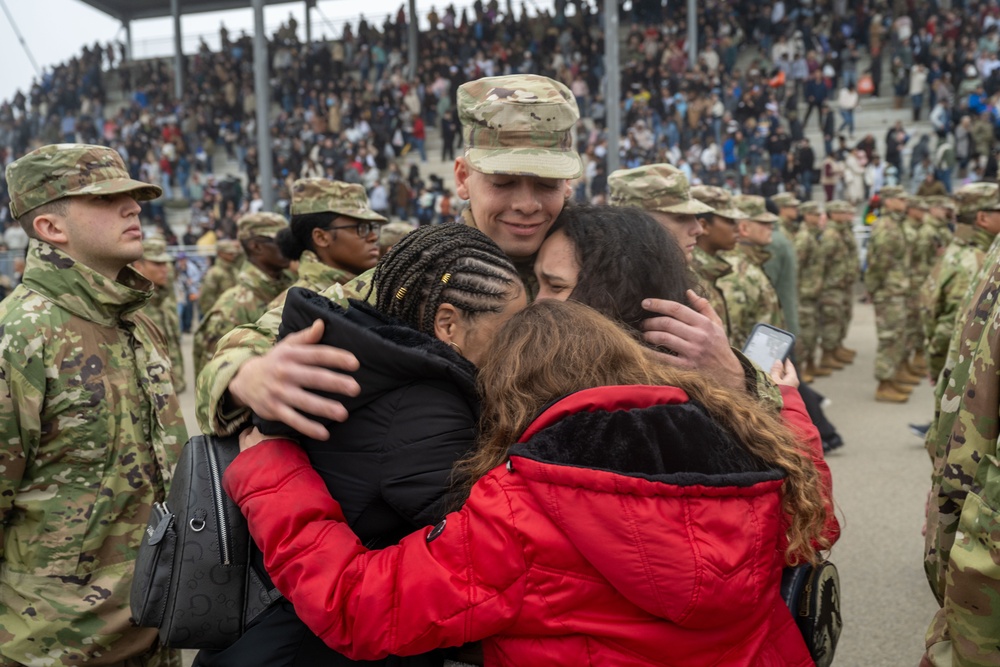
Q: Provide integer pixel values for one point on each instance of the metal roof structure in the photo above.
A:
(134, 10)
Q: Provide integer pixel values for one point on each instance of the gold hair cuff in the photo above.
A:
(400, 293)
(445, 278)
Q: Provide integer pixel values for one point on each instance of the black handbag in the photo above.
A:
(193, 579)
(812, 593)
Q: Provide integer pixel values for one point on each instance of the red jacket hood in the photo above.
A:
(719, 507)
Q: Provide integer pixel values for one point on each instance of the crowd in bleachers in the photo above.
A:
(347, 109)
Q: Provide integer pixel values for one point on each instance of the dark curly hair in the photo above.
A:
(437, 264)
(297, 237)
(625, 256)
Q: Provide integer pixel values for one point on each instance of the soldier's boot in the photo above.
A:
(903, 388)
(807, 373)
(918, 364)
(905, 376)
(888, 393)
(818, 370)
(828, 360)
(844, 356)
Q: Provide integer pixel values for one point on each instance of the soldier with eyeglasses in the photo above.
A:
(334, 234)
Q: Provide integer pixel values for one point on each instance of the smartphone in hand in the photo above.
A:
(768, 344)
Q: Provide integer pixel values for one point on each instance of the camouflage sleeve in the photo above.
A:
(21, 402)
(941, 318)
(213, 405)
(209, 291)
(207, 337)
(759, 383)
(877, 255)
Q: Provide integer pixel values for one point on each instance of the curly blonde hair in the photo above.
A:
(552, 349)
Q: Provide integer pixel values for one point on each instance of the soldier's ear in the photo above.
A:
(462, 175)
(51, 228)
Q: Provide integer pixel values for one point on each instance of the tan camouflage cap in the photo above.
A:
(154, 249)
(229, 245)
(918, 202)
(718, 198)
(70, 170)
(941, 201)
(320, 195)
(753, 207)
(811, 208)
(260, 224)
(785, 199)
(519, 124)
(393, 232)
(892, 192)
(976, 197)
(840, 206)
(654, 187)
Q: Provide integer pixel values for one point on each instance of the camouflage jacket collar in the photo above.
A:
(790, 227)
(81, 290)
(261, 284)
(315, 273)
(712, 267)
(974, 237)
(934, 221)
(161, 295)
(756, 254)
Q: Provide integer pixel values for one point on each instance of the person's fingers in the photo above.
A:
(315, 378)
(310, 336)
(296, 420)
(676, 337)
(777, 371)
(703, 306)
(317, 356)
(675, 361)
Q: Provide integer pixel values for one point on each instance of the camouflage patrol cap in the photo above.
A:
(228, 245)
(892, 192)
(753, 207)
(154, 249)
(840, 206)
(320, 195)
(785, 199)
(393, 232)
(941, 201)
(260, 224)
(718, 198)
(521, 125)
(811, 208)
(70, 170)
(976, 197)
(654, 187)
(915, 201)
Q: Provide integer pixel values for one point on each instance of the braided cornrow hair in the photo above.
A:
(449, 263)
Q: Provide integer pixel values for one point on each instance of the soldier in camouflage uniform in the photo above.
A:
(333, 235)
(963, 526)
(89, 420)
(162, 307)
(661, 190)
(262, 279)
(954, 273)
(914, 367)
(840, 258)
(221, 275)
(887, 280)
(515, 173)
(391, 234)
(750, 297)
(720, 236)
(811, 270)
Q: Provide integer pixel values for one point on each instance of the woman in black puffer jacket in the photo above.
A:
(440, 294)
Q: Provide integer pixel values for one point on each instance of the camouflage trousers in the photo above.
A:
(890, 326)
(914, 328)
(834, 316)
(805, 346)
(155, 656)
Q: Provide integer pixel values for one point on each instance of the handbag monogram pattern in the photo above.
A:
(193, 579)
(812, 593)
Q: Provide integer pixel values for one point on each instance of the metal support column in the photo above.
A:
(309, 25)
(612, 75)
(128, 40)
(411, 46)
(175, 12)
(262, 92)
(692, 39)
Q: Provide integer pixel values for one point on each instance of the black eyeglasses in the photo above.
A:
(363, 228)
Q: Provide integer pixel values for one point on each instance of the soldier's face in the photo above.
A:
(515, 211)
(684, 228)
(344, 249)
(758, 233)
(102, 232)
(720, 235)
(156, 272)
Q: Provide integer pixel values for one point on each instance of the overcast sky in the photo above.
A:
(54, 41)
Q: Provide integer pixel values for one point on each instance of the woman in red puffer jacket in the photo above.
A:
(643, 518)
